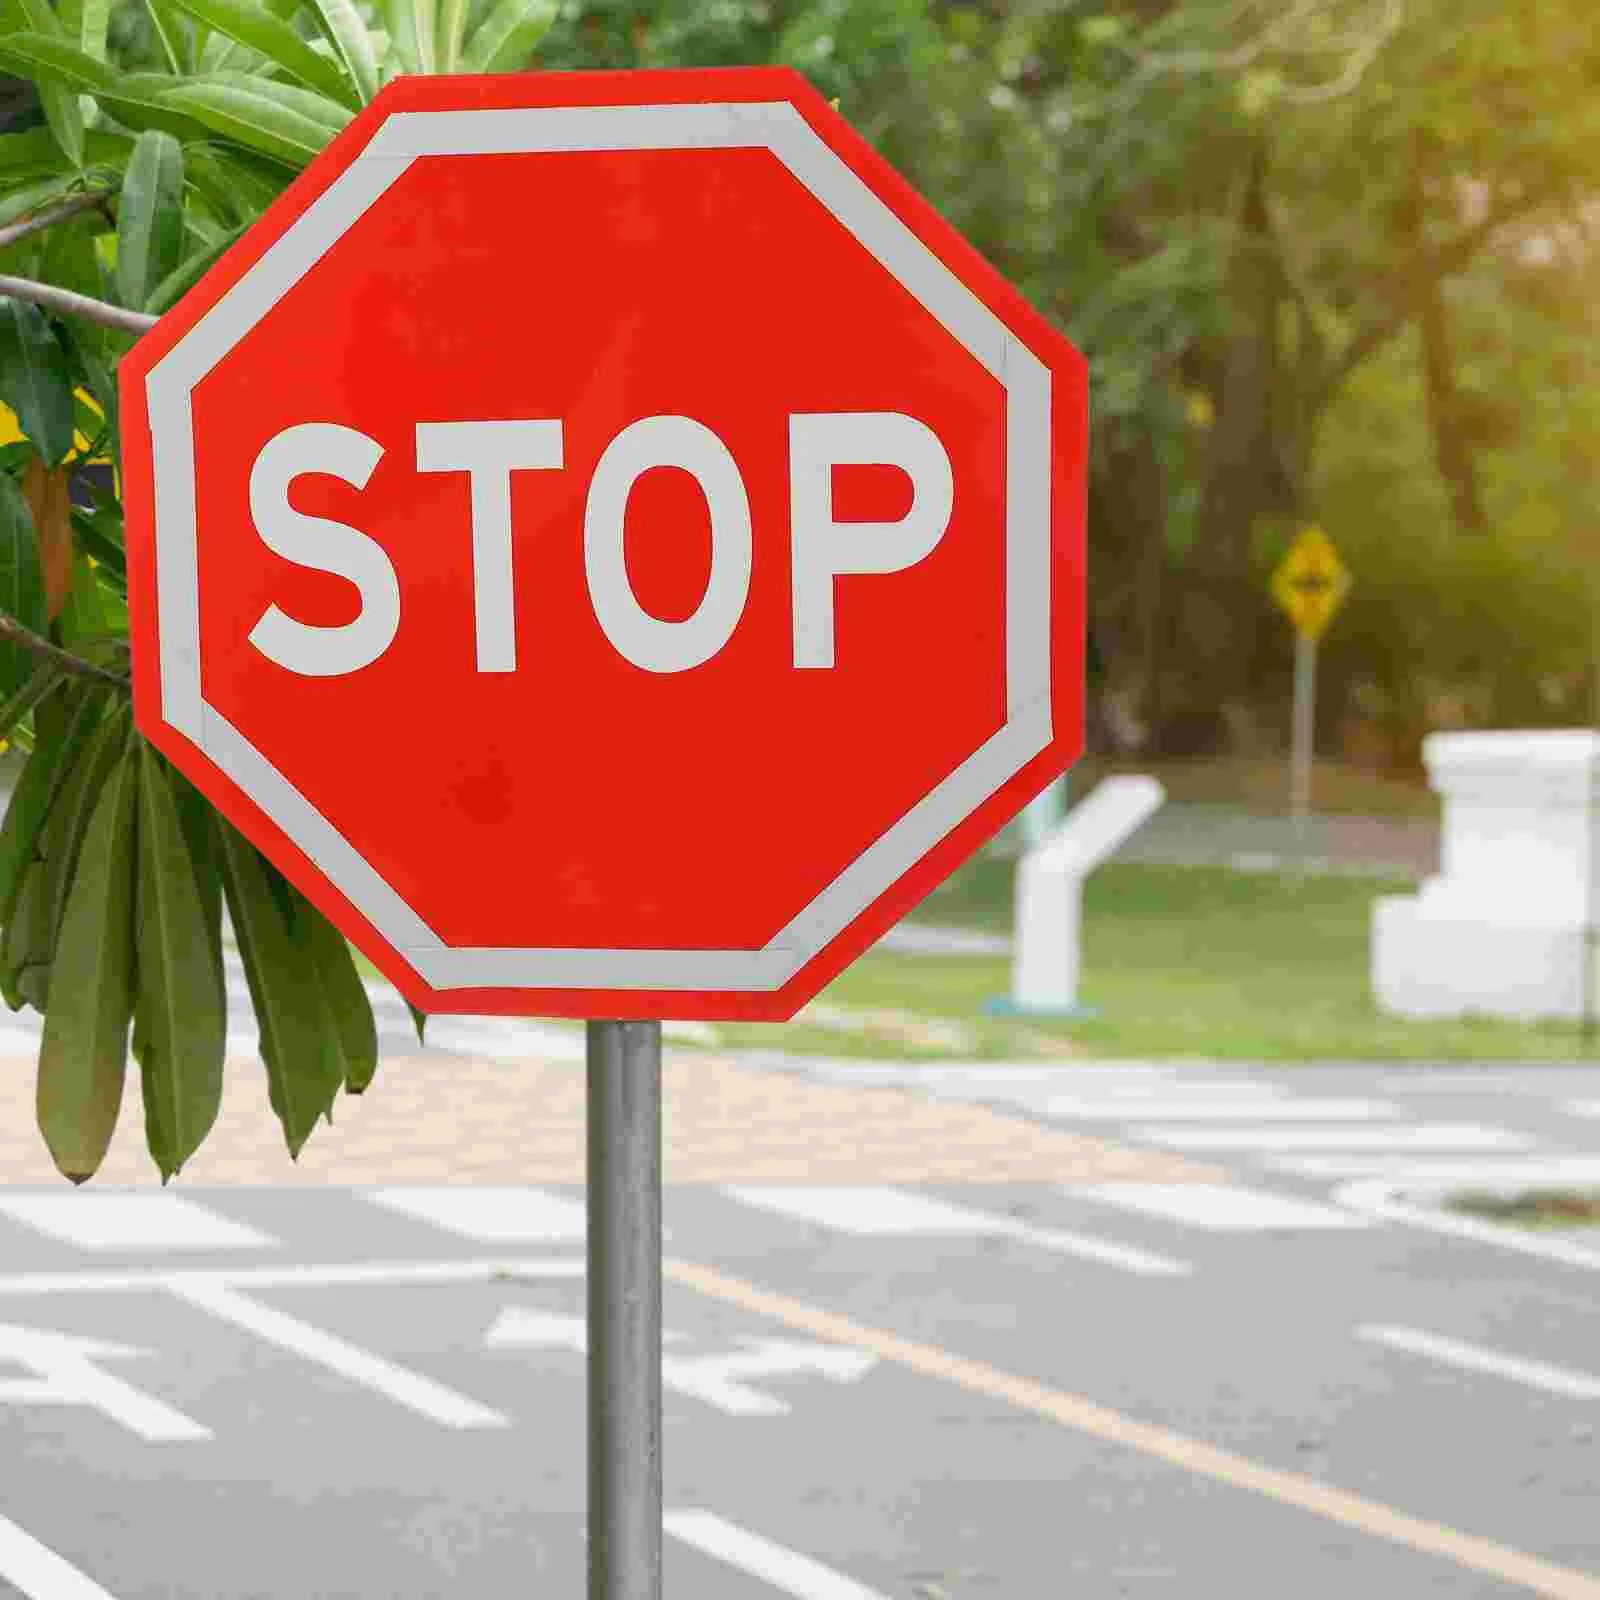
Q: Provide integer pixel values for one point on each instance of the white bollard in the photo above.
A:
(1049, 899)
(1503, 929)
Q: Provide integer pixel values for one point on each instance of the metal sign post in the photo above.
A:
(1310, 584)
(1305, 702)
(624, 1285)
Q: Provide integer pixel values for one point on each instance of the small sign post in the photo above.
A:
(1310, 584)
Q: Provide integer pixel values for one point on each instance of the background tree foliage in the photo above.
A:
(1329, 260)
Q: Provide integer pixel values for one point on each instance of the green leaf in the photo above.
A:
(92, 613)
(135, 99)
(92, 360)
(47, 767)
(452, 23)
(68, 258)
(30, 149)
(302, 1056)
(349, 1011)
(424, 31)
(343, 28)
(45, 681)
(168, 29)
(176, 285)
(93, 25)
(34, 380)
(99, 534)
(255, 26)
(419, 1020)
(200, 832)
(26, 948)
(48, 880)
(83, 1054)
(292, 124)
(182, 1014)
(53, 60)
(59, 103)
(404, 51)
(237, 185)
(507, 36)
(149, 217)
(21, 583)
(71, 811)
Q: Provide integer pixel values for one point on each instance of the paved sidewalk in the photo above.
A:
(440, 1118)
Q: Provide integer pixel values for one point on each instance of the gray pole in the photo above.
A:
(624, 1184)
(1305, 689)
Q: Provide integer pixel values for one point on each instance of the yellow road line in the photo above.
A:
(1192, 1455)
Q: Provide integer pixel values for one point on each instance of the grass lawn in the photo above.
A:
(1193, 961)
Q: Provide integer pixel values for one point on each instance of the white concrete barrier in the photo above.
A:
(1049, 898)
(1501, 929)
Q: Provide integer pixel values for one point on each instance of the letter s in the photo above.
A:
(311, 650)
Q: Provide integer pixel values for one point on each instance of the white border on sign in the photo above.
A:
(773, 125)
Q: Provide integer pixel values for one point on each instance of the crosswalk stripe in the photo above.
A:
(1189, 1108)
(1223, 1206)
(38, 1572)
(884, 1212)
(1530, 1171)
(1420, 1136)
(786, 1570)
(492, 1216)
(1475, 1358)
(111, 1219)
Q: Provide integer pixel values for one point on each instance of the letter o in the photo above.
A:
(652, 643)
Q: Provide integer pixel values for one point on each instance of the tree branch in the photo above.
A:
(79, 203)
(70, 304)
(38, 645)
(1441, 263)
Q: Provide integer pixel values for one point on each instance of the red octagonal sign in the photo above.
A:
(608, 541)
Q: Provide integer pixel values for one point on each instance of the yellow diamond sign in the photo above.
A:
(1311, 583)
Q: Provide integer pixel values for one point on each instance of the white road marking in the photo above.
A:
(875, 1211)
(39, 1572)
(1395, 1201)
(981, 1074)
(129, 1219)
(491, 1216)
(1219, 1205)
(1522, 1172)
(1420, 1136)
(1431, 1082)
(309, 1276)
(785, 1570)
(1475, 1358)
(406, 1388)
(1186, 1108)
(716, 1380)
(65, 1374)
(880, 1211)
(1582, 1108)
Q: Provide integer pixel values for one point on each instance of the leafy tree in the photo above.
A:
(164, 131)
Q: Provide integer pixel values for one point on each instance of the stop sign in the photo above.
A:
(608, 541)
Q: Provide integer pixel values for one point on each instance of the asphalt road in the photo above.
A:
(1299, 1382)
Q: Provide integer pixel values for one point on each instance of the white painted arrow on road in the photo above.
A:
(64, 1373)
(718, 1380)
